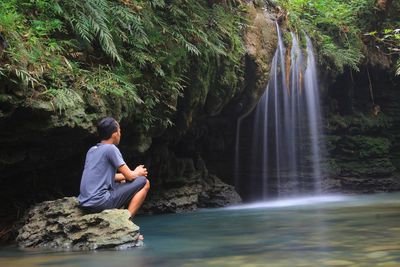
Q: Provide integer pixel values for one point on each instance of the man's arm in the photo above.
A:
(119, 177)
(129, 175)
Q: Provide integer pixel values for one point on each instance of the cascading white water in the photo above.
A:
(282, 155)
(314, 115)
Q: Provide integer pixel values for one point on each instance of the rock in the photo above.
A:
(184, 184)
(363, 135)
(384, 247)
(389, 263)
(377, 254)
(218, 194)
(261, 40)
(210, 192)
(338, 262)
(174, 200)
(61, 224)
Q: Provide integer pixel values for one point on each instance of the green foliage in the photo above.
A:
(63, 99)
(138, 53)
(364, 146)
(31, 52)
(359, 123)
(335, 26)
(337, 55)
(91, 21)
(389, 40)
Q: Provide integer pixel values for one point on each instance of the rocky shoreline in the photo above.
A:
(61, 225)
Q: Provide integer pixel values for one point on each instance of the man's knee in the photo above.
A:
(147, 185)
(144, 182)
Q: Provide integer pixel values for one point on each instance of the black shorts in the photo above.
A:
(120, 195)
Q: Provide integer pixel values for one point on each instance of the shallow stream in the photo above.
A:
(310, 231)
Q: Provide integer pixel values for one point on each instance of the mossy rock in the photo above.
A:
(358, 123)
(363, 147)
(367, 168)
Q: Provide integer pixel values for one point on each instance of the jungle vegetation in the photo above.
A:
(140, 53)
(342, 30)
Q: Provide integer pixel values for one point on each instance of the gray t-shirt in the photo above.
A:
(101, 164)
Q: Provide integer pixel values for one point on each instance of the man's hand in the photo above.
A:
(140, 171)
(131, 175)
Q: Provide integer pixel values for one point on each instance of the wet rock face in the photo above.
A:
(208, 98)
(191, 188)
(363, 134)
(191, 197)
(261, 41)
(60, 224)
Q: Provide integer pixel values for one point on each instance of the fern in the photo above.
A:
(179, 38)
(340, 57)
(130, 26)
(63, 99)
(107, 82)
(90, 21)
(157, 3)
(162, 49)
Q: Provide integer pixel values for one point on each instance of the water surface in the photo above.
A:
(309, 231)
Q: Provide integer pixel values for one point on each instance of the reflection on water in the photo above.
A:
(321, 231)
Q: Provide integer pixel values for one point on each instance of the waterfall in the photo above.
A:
(279, 145)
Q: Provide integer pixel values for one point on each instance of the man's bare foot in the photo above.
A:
(141, 237)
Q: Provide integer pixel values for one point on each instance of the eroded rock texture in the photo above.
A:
(60, 224)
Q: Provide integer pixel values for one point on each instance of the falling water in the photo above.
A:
(282, 155)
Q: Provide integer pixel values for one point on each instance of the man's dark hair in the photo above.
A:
(106, 127)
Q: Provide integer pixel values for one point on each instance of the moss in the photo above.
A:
(331, 142)
(363, 147)
(366, 168)
(332, 167)
(358, 123)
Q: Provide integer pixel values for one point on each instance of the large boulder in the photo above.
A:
(199, 193)
(61, 224)
(216, 193)
(212, 193)
(187, 186)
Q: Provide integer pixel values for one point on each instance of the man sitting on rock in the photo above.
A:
(101, 186)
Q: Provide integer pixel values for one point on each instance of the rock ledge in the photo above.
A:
(60, 224)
